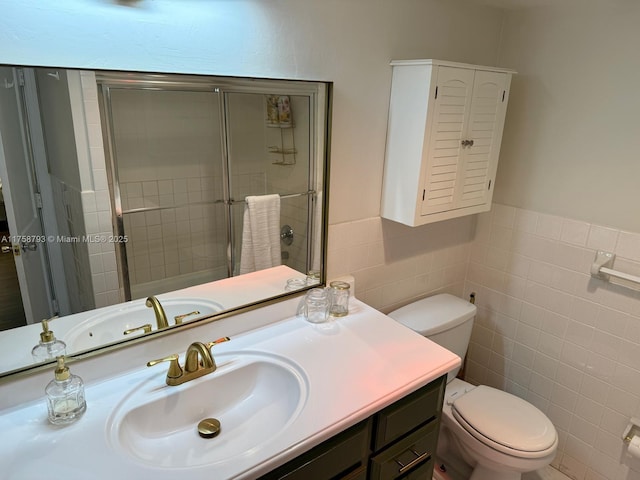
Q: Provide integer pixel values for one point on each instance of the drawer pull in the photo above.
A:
(419, 459)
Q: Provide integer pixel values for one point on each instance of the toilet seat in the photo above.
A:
(505, 422)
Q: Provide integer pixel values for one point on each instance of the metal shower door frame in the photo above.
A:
(222, 87)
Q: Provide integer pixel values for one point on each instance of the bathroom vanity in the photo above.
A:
(399, 439)
(358, 397)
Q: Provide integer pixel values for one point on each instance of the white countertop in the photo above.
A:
(354, 367)
(228, 293)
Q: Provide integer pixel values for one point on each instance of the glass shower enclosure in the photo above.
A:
(184, 152)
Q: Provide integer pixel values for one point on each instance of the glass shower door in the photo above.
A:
(269, 152)
(167, 182)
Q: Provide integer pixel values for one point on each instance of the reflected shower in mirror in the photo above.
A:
(120, 186)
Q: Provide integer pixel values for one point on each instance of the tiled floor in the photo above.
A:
(548, 473)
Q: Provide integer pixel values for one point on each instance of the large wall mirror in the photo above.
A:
(120, 189)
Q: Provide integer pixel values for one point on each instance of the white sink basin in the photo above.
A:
(255, 397)
(108, 327)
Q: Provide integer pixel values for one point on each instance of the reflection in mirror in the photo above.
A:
(120, 187)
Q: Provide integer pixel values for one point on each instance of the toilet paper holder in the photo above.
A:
(632, 430)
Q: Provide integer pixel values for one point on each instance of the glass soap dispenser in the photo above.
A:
(65, 395)
(49, 347)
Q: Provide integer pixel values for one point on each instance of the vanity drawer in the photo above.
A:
(358, 474)
(346, 452)
(423, 472)
(411, 457)
(403, 416)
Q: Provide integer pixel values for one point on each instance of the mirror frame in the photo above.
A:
(327, 105)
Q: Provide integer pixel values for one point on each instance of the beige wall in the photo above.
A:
(347, 42)
(566, 186)
(567, 163)
(571, 138)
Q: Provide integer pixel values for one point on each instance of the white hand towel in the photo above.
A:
(260, 233)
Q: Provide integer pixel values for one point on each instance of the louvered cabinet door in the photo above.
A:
(451, 111)
(479, 159)
(443, 141)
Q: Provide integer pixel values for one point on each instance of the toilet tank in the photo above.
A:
(445, 319)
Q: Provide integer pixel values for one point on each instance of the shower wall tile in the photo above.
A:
(574, 341)
(96, 199)
(180, 239)
(193, 179)
(293, 212)
(248, 184)
(70, 218)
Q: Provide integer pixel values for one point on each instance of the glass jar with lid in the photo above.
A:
(339, 298)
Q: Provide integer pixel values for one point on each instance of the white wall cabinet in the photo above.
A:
(445, 128)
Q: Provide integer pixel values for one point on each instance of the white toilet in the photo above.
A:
(500, 436)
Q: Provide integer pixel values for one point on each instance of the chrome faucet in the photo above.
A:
(161, 317)
(198, 362)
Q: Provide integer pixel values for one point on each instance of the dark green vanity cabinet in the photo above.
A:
(398, 442)
(406, 433)
(341, 457)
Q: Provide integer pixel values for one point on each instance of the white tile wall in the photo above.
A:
(545, 331)
(184, 239)
(181, 239)
(394, 264)
(550, 333)
(294, 212)
(95, 199)
(70, 216)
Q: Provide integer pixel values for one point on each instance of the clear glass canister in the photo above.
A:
(339, 295)
(313, 277)
(294, 284)
(316, 305)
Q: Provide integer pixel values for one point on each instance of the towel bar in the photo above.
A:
(191, 204)
(600, 268)
(290, 195)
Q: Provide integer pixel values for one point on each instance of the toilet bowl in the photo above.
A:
(500, 436)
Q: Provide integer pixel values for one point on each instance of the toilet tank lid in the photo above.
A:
(435, 314)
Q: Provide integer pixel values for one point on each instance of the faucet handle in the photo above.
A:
(215, 342)
(175, 370)
(179, 318)
(146, 328)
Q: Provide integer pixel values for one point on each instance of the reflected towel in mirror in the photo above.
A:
(260, 233)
